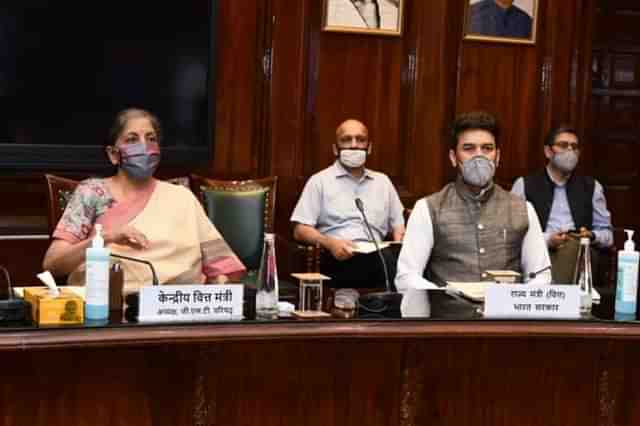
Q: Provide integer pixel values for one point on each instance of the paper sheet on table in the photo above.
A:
(366, 247)
(475, 290)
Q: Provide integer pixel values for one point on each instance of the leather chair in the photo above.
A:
(243, 211)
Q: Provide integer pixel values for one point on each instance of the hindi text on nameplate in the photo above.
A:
(532, 301)
(191, 303)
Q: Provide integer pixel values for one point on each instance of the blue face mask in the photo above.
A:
(139, 160)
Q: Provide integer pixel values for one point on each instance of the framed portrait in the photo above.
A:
(505, 21)
(382, 17)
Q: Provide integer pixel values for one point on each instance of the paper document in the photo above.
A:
(471, 290)
(475, 290)
(366, 247)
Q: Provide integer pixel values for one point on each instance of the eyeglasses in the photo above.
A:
(564, 145)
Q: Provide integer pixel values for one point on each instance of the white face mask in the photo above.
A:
(353, 158)
(478, 171)
(565, 161)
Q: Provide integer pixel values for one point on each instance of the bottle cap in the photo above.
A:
(269, 236)
(98, 241)
(629, 245)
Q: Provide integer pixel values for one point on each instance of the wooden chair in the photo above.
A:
(59, 192)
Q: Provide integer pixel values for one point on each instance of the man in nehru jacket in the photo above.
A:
(569, 206)
(326, 213)
(472, 225)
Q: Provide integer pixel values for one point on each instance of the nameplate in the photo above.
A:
(532, 301)
(191, 303)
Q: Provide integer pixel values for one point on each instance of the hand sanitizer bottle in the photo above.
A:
(627, 282)
(97, 278)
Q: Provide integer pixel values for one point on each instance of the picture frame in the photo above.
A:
(377, 17)
(502, 21)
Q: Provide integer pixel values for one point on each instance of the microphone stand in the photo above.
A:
(360, 207)
(133, 299)
(378, 305)
(532, 275)
(154, 277)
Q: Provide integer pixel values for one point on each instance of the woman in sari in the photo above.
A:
(142, 217)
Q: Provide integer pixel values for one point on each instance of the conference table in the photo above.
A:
(449, 367)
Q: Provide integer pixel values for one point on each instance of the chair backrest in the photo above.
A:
(242, 210)
(59, 191)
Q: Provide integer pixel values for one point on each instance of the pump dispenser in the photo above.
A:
(627, 283)
(97, 278)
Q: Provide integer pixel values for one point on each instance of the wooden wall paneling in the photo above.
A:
(354, 76)
(614, 107)
(566, 81)
(288, 84)
(433, 35)
(239, 88)
(289, 44)
(504, 79)
(359, 76)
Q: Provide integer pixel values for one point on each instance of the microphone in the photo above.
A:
(378, 305)
(154, 279)
(133, 299)
(532, 275)
(360, 207)
(12, 309)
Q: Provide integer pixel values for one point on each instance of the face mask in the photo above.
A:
(353, 158)
(565, 161)
(478, 171)
(138, 160)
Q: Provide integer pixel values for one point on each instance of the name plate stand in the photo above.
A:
(532, 301)
(191, 303)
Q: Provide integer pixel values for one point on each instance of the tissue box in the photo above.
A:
(68, 308)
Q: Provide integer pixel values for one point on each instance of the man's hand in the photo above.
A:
(583, 233)
(557, 240)
(340, 249)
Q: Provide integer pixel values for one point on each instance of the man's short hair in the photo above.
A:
(555, 131)
(476, 120)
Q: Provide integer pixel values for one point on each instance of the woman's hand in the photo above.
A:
(127, 236)
(219, 279)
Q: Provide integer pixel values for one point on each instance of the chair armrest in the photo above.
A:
(297, 257)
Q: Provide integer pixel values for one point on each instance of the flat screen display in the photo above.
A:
(66, 69)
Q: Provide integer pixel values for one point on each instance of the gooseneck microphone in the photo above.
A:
(532, 275)
(360, 206)
(146, 262)
(133, 299)
(378, 305)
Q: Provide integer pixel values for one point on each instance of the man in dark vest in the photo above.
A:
(472, 225)
(569, 206)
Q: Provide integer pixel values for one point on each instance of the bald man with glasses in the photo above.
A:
(569, 206)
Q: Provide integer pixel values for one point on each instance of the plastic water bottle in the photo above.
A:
(267, 284)
(97, 278)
